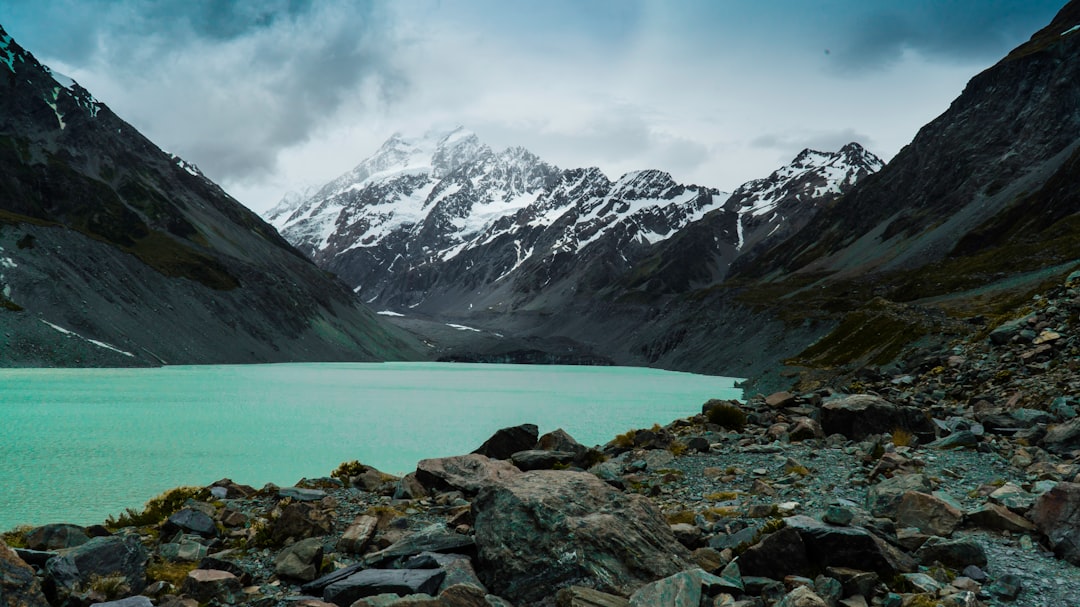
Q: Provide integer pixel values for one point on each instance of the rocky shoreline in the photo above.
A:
(951, 478)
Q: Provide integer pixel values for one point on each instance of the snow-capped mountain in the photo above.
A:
(419, 204)
(783, 202)
(443, 222)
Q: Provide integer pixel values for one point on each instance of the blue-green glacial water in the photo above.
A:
(77, 445)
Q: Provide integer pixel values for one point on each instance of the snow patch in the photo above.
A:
(187, 166)
(7, 55)
(52, 104)
(1070, 30)
(463, 328)
(95, 342)
(389, 313)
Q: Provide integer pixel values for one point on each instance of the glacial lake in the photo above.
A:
(78, 445)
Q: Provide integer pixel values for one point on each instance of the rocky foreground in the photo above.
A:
(950, 479)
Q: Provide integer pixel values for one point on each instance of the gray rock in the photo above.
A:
(955, 553)
(1062, 438)
(803, 596)
(371, 582)
(190, 520)
(302, 495)
(298, 521)
(537, 459)
(357, 534)
(860, 415)
(684, 589)
(998, 518)
(778, 554)
(433, 538)
(1006, 587)
(316, 587)
(956, 440)
(508, 441)
(838, 515)
(1057, 515)
(300, 561)
(466, 473)
(184, 548)
(544, 529)
(205, 585)
(883, 498)
(855, 547)
(56, 537)
(928, 513)
(102, 557)
(18, 585)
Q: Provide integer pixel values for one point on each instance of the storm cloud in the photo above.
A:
(280, 94)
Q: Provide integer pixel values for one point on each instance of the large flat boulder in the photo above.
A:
(854, 547)
(860, 415)
(372, 582)
(543, 530)
(56, 537)
(101, 557)
(466, 473)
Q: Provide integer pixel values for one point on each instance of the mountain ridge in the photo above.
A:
(107, 239)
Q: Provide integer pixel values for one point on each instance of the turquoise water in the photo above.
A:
(77, 445)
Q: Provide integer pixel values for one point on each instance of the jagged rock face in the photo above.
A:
(444, 227)
(114, 252)
(965, 182)
(427, 221)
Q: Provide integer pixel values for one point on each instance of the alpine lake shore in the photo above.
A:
(950, 478)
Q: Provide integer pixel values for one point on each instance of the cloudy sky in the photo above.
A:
(272, 95)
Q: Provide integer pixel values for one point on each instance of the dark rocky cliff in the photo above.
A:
(113, 252)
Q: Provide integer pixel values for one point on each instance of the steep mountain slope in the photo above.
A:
(443, 228)
(962, 228)
(114, 252)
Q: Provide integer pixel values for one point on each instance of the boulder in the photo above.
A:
(684, 589)
(300, 561)
(928, 513)
(803, 596)
(508, 441)
(56, 537)
(957, 553)
(357, 534)
(544, 529)
(538, 459)
(1056, 513)
(211, 562)
(433, 538)
(581, 596)
(317, 587)
(1062, 438)
(18, 585)
(861, 415)
(298, 521)
(458, 568)
(883, 498)
(998, 518)
(183, 548)
(778, 554)
(804, 428)
(559, 440)
(780, 399)
(115, 556)
(466, 473)
(854, 547)
(205, 585)
(190, 520)
(302, 494)
(372, 582)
